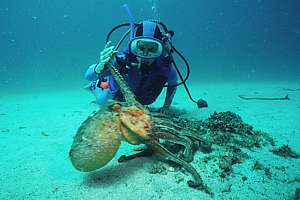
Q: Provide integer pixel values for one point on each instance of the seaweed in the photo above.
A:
(224, 133)
(257, 166)
(285, 151)
(265, 98)
(297, 194)
(4, 130)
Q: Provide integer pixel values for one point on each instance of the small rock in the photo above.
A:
(44, 134)
(171, 169)
(157, 169)
(206, 147)
(227, 189)
(257, 166)
(4, 130)
(179, 178)
(297, 194)
(268, 172)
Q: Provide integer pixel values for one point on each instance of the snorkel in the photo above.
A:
(130, 19)
(168, 34)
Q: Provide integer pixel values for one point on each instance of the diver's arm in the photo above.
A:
(171, 90)
(169, 97)
(99, 70)
(91, 74)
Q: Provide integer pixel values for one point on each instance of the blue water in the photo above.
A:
(49, 44)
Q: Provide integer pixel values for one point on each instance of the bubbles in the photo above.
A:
(154, 9)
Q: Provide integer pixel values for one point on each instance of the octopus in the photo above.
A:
(99, 137)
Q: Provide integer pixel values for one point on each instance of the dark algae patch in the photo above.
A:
(223, 138)
(285, 151)
(222, 142)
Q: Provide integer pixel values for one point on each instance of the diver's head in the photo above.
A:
(147, 43)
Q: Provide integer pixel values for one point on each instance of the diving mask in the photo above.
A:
(146, 48)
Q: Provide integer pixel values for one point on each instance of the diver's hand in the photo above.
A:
(164, 109)
(105, 56)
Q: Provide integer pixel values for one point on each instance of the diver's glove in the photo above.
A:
(105, 56)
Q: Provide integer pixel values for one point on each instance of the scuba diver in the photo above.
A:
(146, 64)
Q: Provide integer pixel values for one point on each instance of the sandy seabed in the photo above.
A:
(37, 129)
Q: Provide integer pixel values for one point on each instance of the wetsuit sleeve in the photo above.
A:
(118, 62)
(91, 75)
(172, 80)
(173, 77)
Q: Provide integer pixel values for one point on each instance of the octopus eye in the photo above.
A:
(115, 107)
(71, 153)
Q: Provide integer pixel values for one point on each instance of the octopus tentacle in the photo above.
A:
(179, 129)
(172, 135)
(168, 156)
(144, 153)
(167, 123)
(193, 135)
(128, 94)
(187, 143)
(158, 127)
(159, 115)
(182, 132)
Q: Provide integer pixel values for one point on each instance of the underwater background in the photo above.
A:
(244, 57)
(47, 45)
